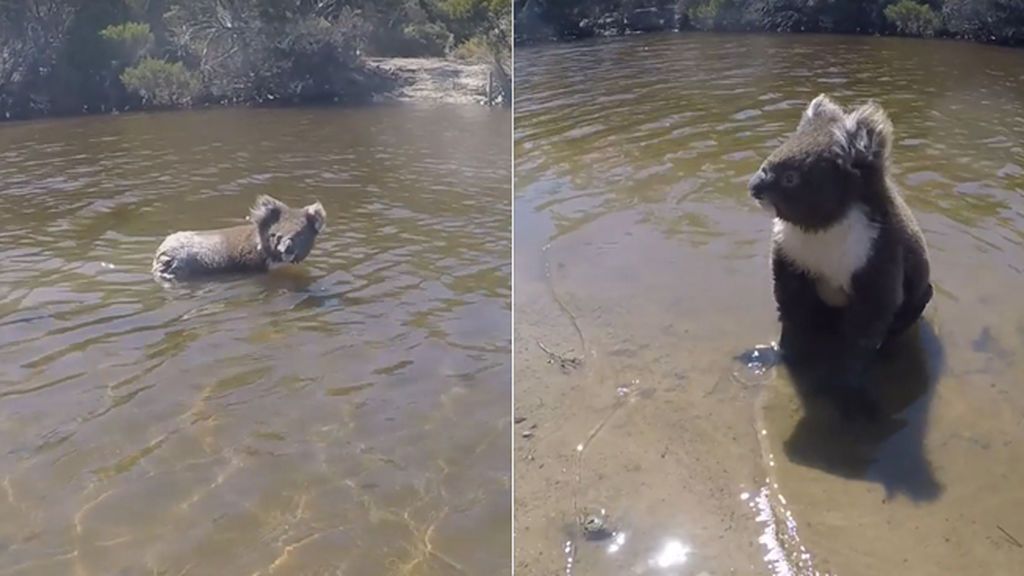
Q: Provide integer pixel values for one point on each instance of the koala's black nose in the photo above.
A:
(759, 183)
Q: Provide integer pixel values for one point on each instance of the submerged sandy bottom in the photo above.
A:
(668, 442)
(703, 466)
(633, 222)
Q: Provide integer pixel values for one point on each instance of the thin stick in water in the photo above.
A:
(1010, 537)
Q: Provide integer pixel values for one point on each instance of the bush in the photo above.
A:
(912, 18)
(475, 50)
(426, 39)
(716, 14)
(317, 59)
(131, 40)
(986, 20)
(161, 83)
(312, 55)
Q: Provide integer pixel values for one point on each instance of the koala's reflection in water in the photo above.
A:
(294, 287)
(289, 279)
(879, 435)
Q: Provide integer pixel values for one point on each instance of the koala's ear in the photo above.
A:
(316, 215)
(266, 210)
(821, 108)
(867, 135)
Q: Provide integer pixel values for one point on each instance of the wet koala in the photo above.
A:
(849, 262)
(275, 234)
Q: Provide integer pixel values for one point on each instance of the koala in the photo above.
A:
(849, 262)
(275, 234)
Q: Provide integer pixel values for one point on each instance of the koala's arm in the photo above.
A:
(796, 296)
(877, 294)
(802, 313)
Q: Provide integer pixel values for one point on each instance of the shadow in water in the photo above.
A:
(295, 278)
(887, 448)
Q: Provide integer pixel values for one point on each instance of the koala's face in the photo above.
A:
(817, 174)
(804, 182)
(287, 234)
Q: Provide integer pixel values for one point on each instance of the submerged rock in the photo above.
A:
(594, 523)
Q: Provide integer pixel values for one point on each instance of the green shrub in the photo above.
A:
(716, 14)
(427, 39)
(985, 20)
(475, 50)
(161, 83)
(304, 57)
(131, 40)
(316, 59)
(912, 18)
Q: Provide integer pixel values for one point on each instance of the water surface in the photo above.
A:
(639, 252)
(348, 415)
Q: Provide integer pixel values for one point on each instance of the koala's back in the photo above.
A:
(193, 253)
(914, 251)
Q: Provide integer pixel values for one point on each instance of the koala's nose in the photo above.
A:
(759, 183)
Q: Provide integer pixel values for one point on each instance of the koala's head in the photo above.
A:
(286, 234)
(833, 161)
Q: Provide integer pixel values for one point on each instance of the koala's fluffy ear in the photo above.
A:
(821, 108)
(316, 214)
(867, 134)
(266, 210)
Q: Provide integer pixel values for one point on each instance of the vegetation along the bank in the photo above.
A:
(997, 21)
(81, 56)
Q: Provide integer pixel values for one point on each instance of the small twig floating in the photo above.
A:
(566, 363)
(1010, 537)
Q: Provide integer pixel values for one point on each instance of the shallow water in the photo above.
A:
(639, 252)
(348, 415)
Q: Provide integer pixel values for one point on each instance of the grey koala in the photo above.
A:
(275, 234)
(849, 261)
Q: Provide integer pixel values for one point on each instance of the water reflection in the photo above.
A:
(671, 555)
(665, 556)
(618, 541)
(784, 555)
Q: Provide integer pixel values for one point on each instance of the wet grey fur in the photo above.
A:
(275, 234)
(835, 163)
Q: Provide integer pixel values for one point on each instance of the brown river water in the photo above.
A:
(647, 443)
(347, 416)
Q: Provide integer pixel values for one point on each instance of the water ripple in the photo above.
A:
(257, 409)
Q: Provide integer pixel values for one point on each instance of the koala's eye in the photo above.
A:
(790, 179)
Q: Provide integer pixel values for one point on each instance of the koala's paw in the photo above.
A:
(166, 266)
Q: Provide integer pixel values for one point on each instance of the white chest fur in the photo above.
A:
(830, 256)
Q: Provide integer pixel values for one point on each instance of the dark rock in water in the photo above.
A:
(760, 358)
(756, 365)
(594, 523)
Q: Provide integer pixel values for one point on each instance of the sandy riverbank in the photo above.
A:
(435, 80)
